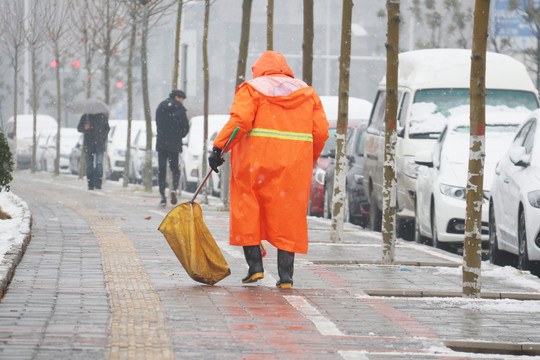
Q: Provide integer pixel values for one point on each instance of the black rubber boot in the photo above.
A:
(254, 259)
(285, 262)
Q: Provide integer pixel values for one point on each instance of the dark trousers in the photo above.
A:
(94, 169)
(172, 157)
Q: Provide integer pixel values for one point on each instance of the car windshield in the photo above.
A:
(330, 143)
(431, 107)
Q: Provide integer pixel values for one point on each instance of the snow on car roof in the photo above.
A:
(359, 109)
(450, 68)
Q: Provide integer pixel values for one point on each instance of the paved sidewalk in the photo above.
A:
(99, 281)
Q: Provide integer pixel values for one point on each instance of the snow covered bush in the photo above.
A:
(6, 164)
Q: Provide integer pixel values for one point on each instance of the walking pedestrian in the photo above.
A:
(172, 127)
(283, 129)
(95, 128)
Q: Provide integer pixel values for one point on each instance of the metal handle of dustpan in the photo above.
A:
(210, 171)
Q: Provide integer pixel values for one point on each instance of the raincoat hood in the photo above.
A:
(271, 63)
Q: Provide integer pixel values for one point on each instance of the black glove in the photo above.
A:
(215, 159)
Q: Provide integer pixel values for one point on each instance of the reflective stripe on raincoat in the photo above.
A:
(283, 129)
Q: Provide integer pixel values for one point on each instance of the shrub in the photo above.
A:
(6, 164)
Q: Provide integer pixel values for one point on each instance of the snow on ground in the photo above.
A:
(14, 230)
(508, 274)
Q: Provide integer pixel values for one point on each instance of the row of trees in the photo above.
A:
(100, 30)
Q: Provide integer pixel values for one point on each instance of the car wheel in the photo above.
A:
(418, 238)
(375, 215)
(434, 238)
(496, 256)
(523, 255)
(327, 205)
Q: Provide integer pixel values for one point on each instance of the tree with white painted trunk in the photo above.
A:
(390, 134)
(338, 198)
(472, 249)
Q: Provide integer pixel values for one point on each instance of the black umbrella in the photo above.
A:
(88, 106)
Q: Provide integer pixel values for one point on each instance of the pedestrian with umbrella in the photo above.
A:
(283, 129)
(94, 124)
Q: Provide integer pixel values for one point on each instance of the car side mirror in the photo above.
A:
(518, 156)
(424, 158)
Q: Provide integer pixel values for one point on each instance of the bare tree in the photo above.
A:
(390, 133)
(57, 30)
(147, 178)
(530, 12)
(133, 18)
(240, 78)
(472, 247)
(105, 19)
(206, 91)
(270, 25)
(307, 44)
(154, 10)
(446, 23)
(35, 35)
(12, 23)
(338, 197)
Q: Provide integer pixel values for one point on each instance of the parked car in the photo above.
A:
(75, 156)
(359, 110)
(21, 147)
(430, 83)
(192, 152)
(138, 156)
(68, 139)
(356, 205)
(117, 145)
(42, 141)
(441, 182)
(514, 206)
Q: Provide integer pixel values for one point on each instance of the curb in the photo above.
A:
(14, 255)
(486, 347)
(435, 293)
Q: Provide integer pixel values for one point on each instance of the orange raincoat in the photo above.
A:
(283, 129)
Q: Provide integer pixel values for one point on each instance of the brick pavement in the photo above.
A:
(98, 281)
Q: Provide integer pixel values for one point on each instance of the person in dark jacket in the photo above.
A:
(172, 126)
(95, 128)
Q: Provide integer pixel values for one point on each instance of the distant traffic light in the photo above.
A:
(75, 64)
(53, 64)
(119, 84)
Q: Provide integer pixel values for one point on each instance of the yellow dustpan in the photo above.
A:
(191, 241)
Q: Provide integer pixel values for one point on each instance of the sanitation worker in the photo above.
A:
(283, 129)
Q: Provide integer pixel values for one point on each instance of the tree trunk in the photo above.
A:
(176, 65)
(339, 191)
(34, 109)
(472, 249)
(15, 94)
(307, 45)
(390, 134)
(206, 96)
(270, 25)
(132, 40)
(59, 111)
(108, 51)
(146, 101)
